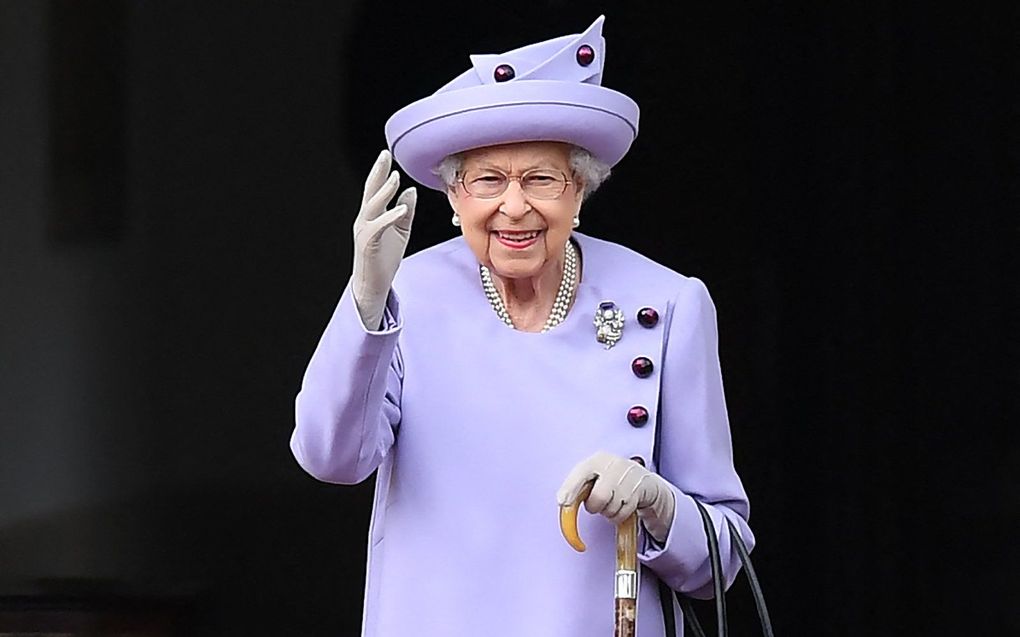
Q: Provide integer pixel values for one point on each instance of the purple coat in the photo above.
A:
(473, 427)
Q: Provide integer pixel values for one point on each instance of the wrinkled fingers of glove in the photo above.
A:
(621, 486)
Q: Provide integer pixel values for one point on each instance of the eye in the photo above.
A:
(487, 180)
(542, 178)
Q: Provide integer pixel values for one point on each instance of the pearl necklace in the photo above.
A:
(563, 296)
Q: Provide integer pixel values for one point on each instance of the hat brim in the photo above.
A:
(600, 120)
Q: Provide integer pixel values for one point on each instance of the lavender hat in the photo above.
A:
(549, 91)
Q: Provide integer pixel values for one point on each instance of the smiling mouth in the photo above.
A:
(511, 235)
(517, 240)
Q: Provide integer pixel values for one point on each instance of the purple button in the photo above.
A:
(637, 416)
(647, 317)
(642, 367)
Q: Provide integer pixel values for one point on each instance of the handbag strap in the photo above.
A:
(690, 618)
(717, 579)
(752, 579)
(668, 615)
(718, 589)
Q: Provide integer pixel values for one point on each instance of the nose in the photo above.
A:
(514, 204)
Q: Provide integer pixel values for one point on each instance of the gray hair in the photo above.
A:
(591, 171)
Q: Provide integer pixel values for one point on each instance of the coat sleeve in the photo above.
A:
(695, 452)
(348, 408)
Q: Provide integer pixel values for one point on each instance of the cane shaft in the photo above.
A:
(626, 578)
(626, 614)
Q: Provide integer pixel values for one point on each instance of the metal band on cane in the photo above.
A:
(626, 585)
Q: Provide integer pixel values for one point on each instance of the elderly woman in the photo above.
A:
(491, 376)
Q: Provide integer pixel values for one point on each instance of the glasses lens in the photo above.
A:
(484, 183)
(544, 184)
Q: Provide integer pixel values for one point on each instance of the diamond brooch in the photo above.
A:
(608, 324)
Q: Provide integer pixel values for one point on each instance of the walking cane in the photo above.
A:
(625, 591)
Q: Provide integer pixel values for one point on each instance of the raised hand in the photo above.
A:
(380, 239)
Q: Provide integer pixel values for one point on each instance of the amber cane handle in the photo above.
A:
(568, 518)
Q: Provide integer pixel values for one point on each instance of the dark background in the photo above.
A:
(177, 185)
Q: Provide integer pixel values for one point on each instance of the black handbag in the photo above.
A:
(666, 594)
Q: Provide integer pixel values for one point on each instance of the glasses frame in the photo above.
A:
(520, 181)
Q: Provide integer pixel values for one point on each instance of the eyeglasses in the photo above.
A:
(540, 183)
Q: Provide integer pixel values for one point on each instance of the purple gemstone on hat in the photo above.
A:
(503, 73)
(585, 55)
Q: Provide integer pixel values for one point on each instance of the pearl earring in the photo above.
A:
(577, 220)
(456, 219)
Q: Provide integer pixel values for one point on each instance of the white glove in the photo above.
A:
(380, 238)
(621, 487)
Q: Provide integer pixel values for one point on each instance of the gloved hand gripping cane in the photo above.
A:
(622, 490)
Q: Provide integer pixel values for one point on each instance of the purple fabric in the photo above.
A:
(552, 97)
(473, 426)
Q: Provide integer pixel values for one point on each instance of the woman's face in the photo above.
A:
(498, 229)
